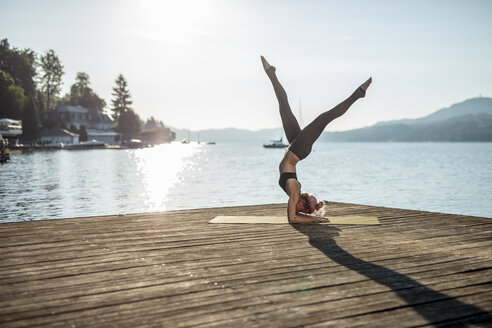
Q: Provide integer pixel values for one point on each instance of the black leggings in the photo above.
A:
(301, 141)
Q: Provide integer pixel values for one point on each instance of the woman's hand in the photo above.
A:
(304, 218)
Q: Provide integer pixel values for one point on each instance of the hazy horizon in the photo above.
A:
(366, 126)
(195, 64)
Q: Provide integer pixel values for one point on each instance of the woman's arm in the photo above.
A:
(312, 217)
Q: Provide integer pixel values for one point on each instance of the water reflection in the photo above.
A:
(446, 177)
(159, 169)
(59, 184)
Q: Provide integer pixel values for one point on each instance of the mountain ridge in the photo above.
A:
(472, 105)
(469, 120)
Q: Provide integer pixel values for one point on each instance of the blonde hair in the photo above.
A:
(321, 210)
(312, 205)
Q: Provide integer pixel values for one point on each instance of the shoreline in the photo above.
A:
(75, 147)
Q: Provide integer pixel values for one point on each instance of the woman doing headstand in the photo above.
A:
(301, 143)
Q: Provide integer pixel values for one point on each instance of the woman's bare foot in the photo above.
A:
(266, 65)
(366, 84)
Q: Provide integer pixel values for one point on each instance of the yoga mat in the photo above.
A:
(367, 220)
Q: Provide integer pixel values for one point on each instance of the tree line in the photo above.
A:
(30, 84)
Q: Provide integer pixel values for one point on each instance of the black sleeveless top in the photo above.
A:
(282, 181)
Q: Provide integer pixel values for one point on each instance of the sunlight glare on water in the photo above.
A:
(158, 169)
(39, 185)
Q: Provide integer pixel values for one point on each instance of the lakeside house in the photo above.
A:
(98, 125)
(57, 136)
(10, 129)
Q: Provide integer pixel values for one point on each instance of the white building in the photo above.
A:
(10, 128)
(108, 137)
(77, 116)
(99, 126)
(57, 136)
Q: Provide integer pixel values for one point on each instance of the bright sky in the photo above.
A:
(195, 64)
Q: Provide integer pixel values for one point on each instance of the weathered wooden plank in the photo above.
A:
(173, 269)
(125, 279)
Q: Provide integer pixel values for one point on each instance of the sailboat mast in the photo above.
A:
(300, 112)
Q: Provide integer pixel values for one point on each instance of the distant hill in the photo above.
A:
(470, 120)
(470, 106)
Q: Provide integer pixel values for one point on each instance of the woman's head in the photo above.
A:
(308, 204)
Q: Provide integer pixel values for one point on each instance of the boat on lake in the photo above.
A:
(275, 144)
(135, 143)
(4, 151)
(4, 155)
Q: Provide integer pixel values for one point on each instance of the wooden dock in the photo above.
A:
(172, 269)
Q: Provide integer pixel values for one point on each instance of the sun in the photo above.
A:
(174, 22)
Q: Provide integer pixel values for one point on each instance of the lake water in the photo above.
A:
(441, 177)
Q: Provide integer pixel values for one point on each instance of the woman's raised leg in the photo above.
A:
(289, 121)
(303, 143)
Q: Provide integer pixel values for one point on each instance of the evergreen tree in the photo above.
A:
(30, 119)
(121, 97)
(128, 122)
(79, 88)
(52, 72)
(82, 133)
(81, 94)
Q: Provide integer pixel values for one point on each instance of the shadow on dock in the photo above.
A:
(431, 305)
